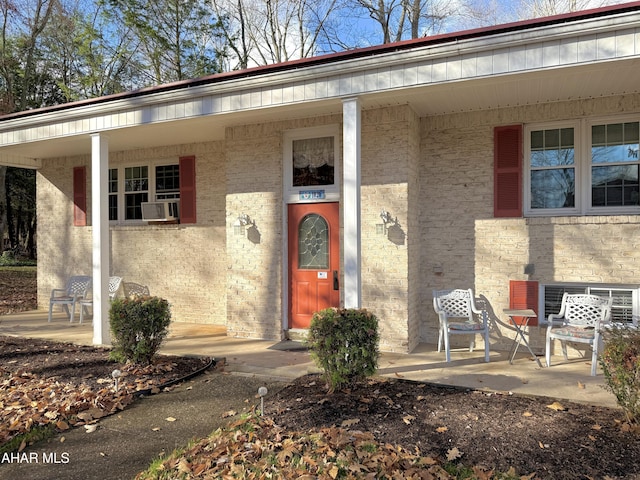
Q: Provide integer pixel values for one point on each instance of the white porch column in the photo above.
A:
(351, 141)
(100, 228)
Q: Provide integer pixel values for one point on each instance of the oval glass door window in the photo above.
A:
(313, 243)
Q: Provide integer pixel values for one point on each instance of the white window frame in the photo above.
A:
(577, 166)
(331, 193)
(151, 197)
(583, 166)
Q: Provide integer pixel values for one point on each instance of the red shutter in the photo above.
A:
(187, 189)
(507, 171)
(79, 196)
(523, 294)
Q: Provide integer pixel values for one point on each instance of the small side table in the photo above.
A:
(526, 315)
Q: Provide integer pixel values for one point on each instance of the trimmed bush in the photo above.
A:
(344, 344)
(620, 361)
(138, 328)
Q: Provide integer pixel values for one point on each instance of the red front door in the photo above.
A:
(314, 260)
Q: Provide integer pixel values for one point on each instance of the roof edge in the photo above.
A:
(340, 56)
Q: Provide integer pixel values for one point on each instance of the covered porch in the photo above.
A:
(569, 381)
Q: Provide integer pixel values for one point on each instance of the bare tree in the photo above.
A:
(272, 31)
(403, 19)
(545, 8)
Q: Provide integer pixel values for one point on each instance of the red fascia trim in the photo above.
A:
(346, 55)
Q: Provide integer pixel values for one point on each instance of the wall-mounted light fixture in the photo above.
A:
(387, 220)
(241, 222)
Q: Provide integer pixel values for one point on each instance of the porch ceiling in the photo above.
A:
(550, 85)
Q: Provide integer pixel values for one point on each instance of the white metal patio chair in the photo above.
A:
(580, 320)
(114, 288)
(76, 289)
(459, 305)
(132, 290)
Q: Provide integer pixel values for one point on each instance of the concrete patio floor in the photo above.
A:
(288, 360)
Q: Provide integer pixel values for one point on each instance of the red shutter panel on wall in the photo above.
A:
(79, 196)
(507, 171)
(187, 189)
(523, 294)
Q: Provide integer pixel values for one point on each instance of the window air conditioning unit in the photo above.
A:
(163, 211)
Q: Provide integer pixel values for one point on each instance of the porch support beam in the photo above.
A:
(100, 226)
(351, 141)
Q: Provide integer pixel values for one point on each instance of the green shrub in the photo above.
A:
(620, 361)
(138, 328)
(344, 344)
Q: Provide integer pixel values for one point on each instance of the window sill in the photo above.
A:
(584, 220)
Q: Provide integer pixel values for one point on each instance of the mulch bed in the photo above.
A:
(498, 431)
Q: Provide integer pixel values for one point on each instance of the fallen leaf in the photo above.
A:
(592, 438)
(428, 461)
(334, 472)
(408, 419)
(62, 425)
(596, 427)
(453, 454)
(557, 406)
(527, 414)
(229, 413)
(350, 422)
(91, 428)
(62, 439)
(581, 385)
(441, 429)
(170, 419)
(184, 466)
(481, 473)
(156, 429)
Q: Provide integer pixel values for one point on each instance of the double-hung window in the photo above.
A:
(614, 164)
(140, 183)
(136, 191)
(582, 167)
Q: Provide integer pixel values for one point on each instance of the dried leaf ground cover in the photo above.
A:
(381, 428)
(391, 428)
(55, 386)
(17, 289)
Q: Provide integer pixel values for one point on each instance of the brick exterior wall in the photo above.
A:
(390, 182)
(465, 247)
(434, 175)
(186, 264)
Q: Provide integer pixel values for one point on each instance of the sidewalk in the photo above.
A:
(287, 360)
